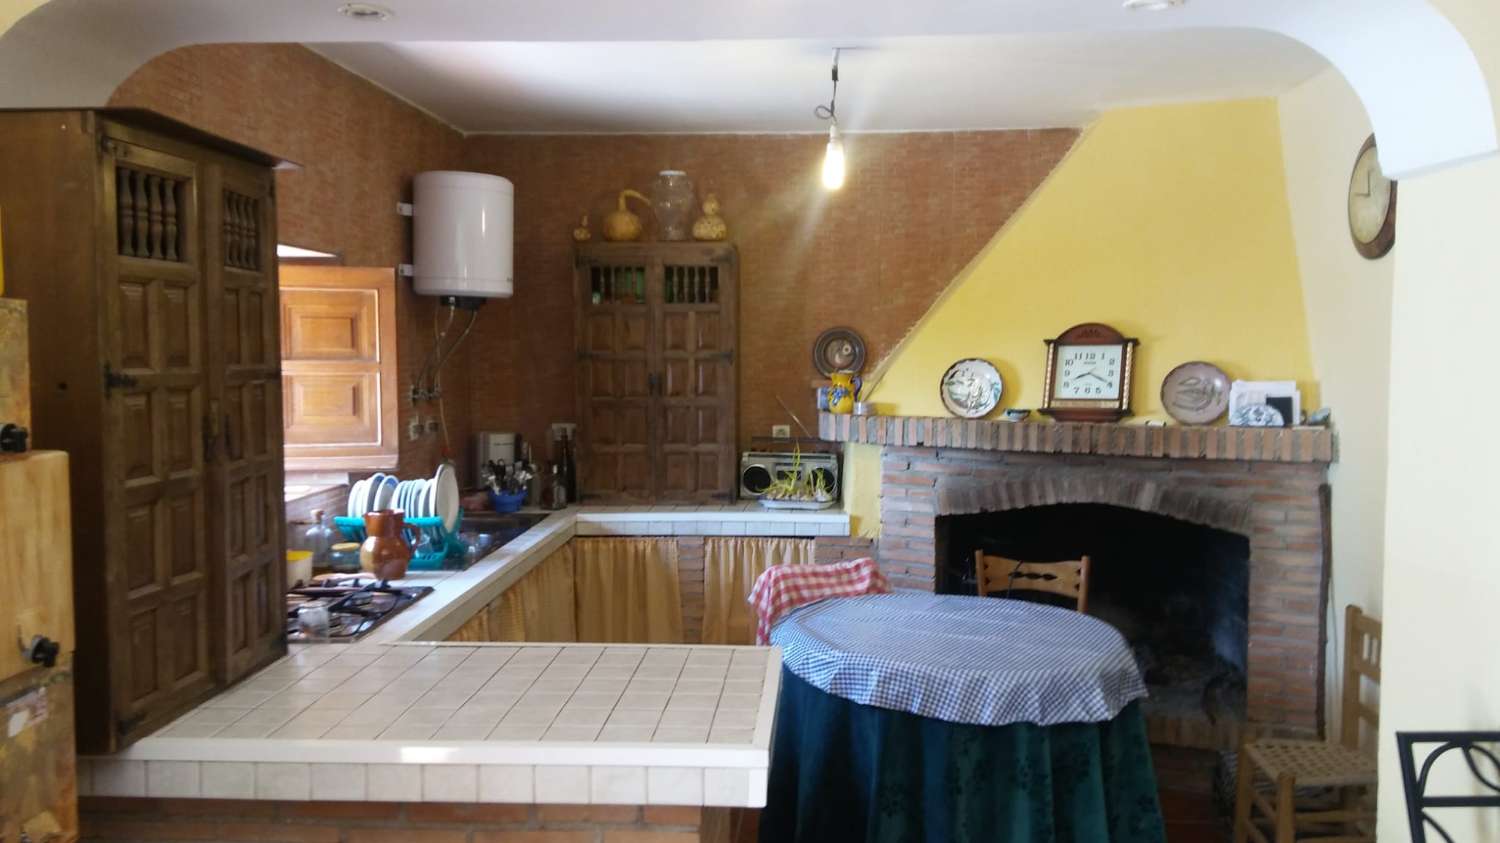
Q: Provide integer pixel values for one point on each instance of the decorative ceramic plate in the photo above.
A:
(1257, 415)
(971, 388)
(445, 497)
(838, 350)
(1195, 393)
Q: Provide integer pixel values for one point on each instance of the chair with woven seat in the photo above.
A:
(1344, 765)
(997, 574)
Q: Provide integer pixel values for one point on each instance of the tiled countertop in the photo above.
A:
(387, 719)
(530, 723)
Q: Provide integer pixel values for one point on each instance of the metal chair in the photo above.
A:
(1290, 764)
(1415, 784)
(1069, 579)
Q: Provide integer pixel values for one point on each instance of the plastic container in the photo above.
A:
(299, 567)
(507, 502)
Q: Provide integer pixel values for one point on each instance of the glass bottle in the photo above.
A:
(318, 538)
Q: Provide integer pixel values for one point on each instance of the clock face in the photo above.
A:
(1089, 371)
(1369, 197)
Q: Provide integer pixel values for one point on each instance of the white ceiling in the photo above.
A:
(677, 65)
(888, 84)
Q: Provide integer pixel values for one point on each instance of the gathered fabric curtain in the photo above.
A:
(540, 606)
(730, 567)
(626, 591)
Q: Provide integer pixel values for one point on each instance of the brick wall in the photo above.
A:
(358, 148)
(211, 820)
(915, 209)
(1279, 507)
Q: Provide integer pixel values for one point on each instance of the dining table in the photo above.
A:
(913, 716)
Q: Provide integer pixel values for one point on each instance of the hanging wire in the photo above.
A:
(829, 111)
(420, 385)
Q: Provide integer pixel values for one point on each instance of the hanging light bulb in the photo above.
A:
(833, 160)
(833, 156)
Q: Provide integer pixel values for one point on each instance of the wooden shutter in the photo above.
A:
(697, 393)
(157, 573)
(244, 420)
(338, 350)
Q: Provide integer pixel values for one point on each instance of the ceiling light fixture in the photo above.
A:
(365, 12)
(1152, 5)
(833, 156)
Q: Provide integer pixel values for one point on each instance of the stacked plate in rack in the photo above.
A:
(434, 497)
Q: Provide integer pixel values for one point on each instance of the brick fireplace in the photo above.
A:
(1268, 486)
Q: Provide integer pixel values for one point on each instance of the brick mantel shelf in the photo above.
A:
(1268, 485)
(1255, 444)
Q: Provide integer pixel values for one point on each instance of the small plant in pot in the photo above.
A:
(798, 489)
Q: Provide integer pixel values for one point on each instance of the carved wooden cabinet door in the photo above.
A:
(156, 567)
(656, 340)
(244, 418)
(616, 346)
(697, 392)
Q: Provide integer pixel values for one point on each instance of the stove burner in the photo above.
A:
(349, 607)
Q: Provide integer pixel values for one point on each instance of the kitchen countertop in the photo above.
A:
(390, 719)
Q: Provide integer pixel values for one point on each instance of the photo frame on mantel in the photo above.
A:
(1283, 395)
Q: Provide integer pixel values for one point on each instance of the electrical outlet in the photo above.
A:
(781, 431)
(414, 429)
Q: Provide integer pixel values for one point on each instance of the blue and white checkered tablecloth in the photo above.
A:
(961, 659)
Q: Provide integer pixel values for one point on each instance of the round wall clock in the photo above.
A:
(1088, 374)
(971, 388)
(1372, 204)
(1195, 393)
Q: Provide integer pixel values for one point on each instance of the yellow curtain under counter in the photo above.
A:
(627, 590)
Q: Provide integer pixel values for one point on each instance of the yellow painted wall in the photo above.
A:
(13, 10)
(1169, 223)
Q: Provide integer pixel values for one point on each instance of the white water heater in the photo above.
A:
(463, 234)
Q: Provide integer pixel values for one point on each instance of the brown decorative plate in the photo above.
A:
(838, 350)
(1195, 393)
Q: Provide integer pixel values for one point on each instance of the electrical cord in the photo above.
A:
(829, 111)
(420, 385)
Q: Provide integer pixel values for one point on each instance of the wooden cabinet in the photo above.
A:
(338, 358)
(657, 380)
(146, 251)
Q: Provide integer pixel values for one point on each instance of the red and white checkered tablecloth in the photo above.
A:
(782, 588)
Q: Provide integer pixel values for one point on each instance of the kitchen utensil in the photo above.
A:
(672, 200)
(846, 386)
(971, 388)
(1195, 392)
(384, 553)
(620, 225)
(445, 495)
(838, 350)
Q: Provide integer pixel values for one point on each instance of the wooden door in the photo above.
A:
(157, 575)
(616, 342)
(696, 407)
(244, 417)
(338, 359)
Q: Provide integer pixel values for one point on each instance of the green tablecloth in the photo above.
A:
(845, 771)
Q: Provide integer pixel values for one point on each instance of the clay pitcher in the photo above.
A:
(620, 225)
(385, 551)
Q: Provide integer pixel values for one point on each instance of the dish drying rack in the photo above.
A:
(441, 544)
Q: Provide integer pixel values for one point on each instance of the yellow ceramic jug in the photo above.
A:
(620, 225)
(845, 389)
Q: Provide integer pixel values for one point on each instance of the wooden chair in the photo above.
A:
(1290, 764)
(1070, 579)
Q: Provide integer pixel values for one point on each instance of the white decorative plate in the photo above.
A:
(386, 492)
(356, 499)
(445, 502)
(372, 491)
(971, 388)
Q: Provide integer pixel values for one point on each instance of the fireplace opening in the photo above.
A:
(1177, 591)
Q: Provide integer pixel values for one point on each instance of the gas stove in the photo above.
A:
(341, 608)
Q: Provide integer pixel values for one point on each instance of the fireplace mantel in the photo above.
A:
(1243, 444)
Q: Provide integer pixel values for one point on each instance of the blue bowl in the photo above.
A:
(507, 503)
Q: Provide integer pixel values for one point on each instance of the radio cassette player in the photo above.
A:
(759, 469)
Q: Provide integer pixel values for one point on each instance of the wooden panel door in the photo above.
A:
(338, 360)
(157, 572)
(696, 403)
(245, 419)
(616, 342)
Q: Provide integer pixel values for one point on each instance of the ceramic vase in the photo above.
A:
(385, 552)
(621, 225)
(843, 392)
